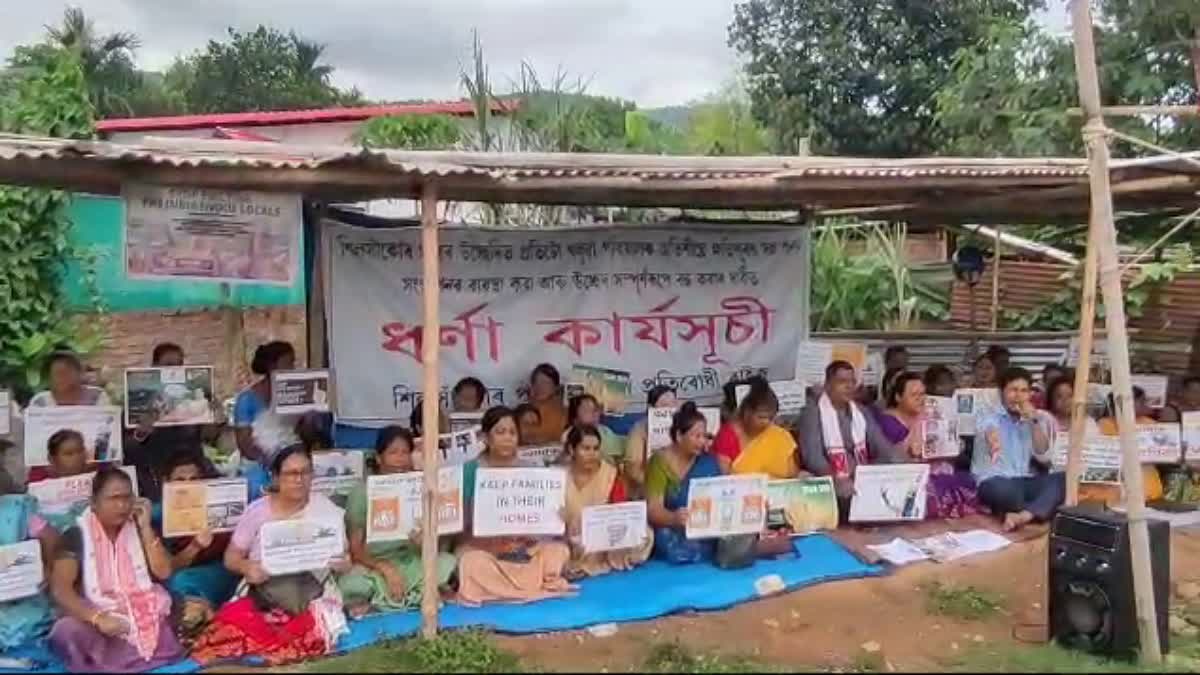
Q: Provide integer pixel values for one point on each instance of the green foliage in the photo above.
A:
(724, 124)
(673, 657)
(458, 652)
(411, 132)
(968, 604)
(644, 134)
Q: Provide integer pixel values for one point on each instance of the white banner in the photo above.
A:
(689, 308)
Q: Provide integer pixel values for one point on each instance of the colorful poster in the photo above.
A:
(1159, 443)
(541, 455)
(296, 392)
(1155, 387)
(291, 546)
(889, 493)
(728, 505)
(612, 388)
(975, 405)
(5, 412)
(690, 309)
(939, 428)
(395, 508)
(99, 425)
(337, 472)
(519, 502)
(803, 505)
(58, 496)
(1191, 435)
(169, 396)
(792, 395)
(1101, 457)
(233, 236)
(614, 527)
(190, 507)
(21, 570)
(658, 428)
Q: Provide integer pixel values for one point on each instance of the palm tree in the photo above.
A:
(308, 56)
(107, 60)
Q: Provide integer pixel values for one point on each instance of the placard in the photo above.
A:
(541, 455)
(457, 447)
(21, 570)
(889, 493)
(1190, 429)
(5, 412)
(939, 428)
(176, 396)
(99, 425)
(614, 527)
(1155, 387)
(802, 504)
(301, 545)
(975, 405)
(792, 396)
(462, 421)
(515, 502)
(658, 428)
(813, 357)
(873, 371)
(726, 505)
(296, 392)
(1159, 444)
(337, 472)
(1101, 457)
(395, 508)
(1097, 397)
(57, 496)
(190, 507)
(712, 420)
(612, 388)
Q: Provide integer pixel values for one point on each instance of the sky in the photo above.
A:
(654, 52)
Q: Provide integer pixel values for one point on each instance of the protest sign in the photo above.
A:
(1159, 444)
(1101, 457)
(1097, 398)
(612, 388)
(873, 370)
(301, 545)
(614, 527)
(170, 396)
(541, 455)
(727, 505)
(1190, 423)
(712, 419)
(792, 396)
(233, 236)
(889, 492)
(939, 428)
(462, 421)
(802, 504)
(395, 507)
(1155, 387)
(513, 502)
(58, 496)
(975, 405)
(458, 447)
(813, 357)
(99, 425)
(658, 428)
(337, 472)
(21, 570)
(190, 507)
(296, 392)
(5, 412)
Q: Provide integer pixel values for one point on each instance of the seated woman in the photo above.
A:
(505, 569)
(751, 442)
(468, 395)
(200, 583)
(593, 481)
(386, 575)
(114, 615)
(545, 394)
(64, 371)
(68, 457)
(584, 410)
(1152, 483)
(636, 450)
(669, 474)
(528, 422)
(951, 494)
(26, 619)
(283, 618)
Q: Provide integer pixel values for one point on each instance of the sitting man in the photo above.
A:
(1006, 444)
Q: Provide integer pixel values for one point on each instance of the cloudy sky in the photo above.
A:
(655, 52)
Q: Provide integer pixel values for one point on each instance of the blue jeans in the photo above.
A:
(1040, 495)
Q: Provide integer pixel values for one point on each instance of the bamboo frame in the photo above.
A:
(1087, 324)
(430, 345)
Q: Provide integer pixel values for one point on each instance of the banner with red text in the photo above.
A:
(689, 307)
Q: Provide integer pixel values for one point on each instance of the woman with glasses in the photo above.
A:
(279, 618)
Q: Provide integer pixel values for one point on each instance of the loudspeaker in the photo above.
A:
(1091, 581)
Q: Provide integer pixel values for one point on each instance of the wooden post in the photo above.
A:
(1105, 242)
(430, 343)
(996, 282)
(1087, 323)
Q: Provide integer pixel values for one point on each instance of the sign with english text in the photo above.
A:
(689, 307)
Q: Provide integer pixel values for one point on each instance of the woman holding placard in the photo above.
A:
(1152, 482)
(386, 576)
(593, 481)
(68, 457)
(505, 569)
(669, 474)
(64, 371)
(636, 445)
(751, 442)
(106, 586)
(261, 432)
(584, 410)
(24, 619)
(280, 618)
(545, 393)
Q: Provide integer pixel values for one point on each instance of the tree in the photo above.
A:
(411, 132)
(724, 124)
(857, 76)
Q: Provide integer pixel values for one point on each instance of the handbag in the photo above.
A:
(736, 552)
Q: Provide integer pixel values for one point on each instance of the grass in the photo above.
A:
(455, 652)
(1053, 659)
(672, 657)
(967, 604)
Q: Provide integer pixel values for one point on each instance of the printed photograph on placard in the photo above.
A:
(1190, 430)
(337, 472)
(612, 388)
(975, 405)
(802, 505)
(190, 507)
(169, 396)
(1101, 457)
(99, 425)
(460, 421)
(291, 546)
(718, 507)
(939, 428)
(1159, 443)
(519, 502)
(297, 392)
(541, 455)
(614, 527)
(1155, 387)
(21, 570)
(395, 509)
(889, 493)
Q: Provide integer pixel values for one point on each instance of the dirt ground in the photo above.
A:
(827, 625)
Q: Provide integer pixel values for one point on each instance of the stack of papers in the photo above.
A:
(941, 547)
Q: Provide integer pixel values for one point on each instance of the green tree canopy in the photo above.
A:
(411, 132)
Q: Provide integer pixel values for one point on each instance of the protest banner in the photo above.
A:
(190, 507)
(727, 505)
(689, 312)
(1101, 457)
(176, 396)
(231, 236)
(974, 405)
(514, 502)
(21, 570)
(1159, 443)
(99, 425)
(337, 472)
(803, 505)
(939, 428)
(394, 504)
(296, 392)
(1190, 431)
(5, 412)
(613, 527)
(612, 388)
(301, 545)
(658, 428)
(541, 455)
(889, 493)
(58, 496)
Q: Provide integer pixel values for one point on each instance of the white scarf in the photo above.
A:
(831, 433)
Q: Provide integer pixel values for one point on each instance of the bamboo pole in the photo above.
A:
(1118, 341)
(996, 282)
(430, 343)
(1087, 326)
